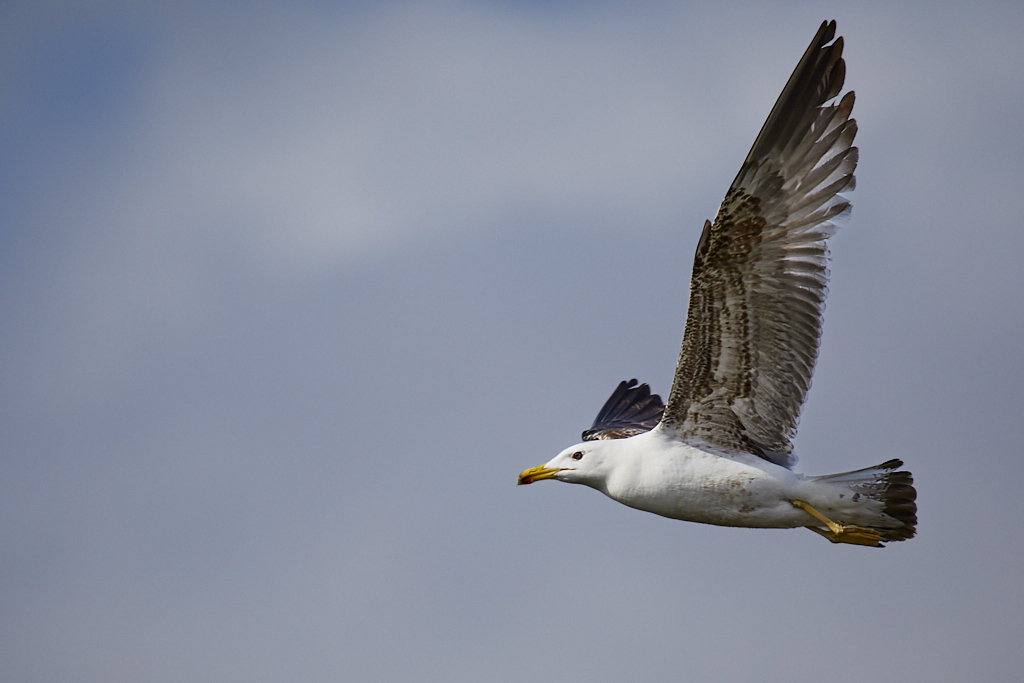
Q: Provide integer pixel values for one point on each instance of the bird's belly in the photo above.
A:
(699, 487)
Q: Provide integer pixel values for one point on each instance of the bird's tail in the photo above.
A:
(895, 490)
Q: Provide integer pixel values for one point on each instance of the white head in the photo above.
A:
(585, 463)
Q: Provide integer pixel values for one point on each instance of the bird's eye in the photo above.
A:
(578, 455)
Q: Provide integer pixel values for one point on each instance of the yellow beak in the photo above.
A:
(537, 473)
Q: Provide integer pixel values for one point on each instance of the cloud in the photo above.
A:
(291, 292)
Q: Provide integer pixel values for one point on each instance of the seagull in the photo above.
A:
(721, 452)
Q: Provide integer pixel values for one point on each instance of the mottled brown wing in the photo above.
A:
(758, 288)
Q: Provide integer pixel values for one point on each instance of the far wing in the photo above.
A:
(759, 281)
(630, 410)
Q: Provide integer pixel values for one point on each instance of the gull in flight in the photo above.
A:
(720, 452)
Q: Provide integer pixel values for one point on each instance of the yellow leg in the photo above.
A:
(839, 533)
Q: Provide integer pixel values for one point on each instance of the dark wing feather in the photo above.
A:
(760, 275)
(629, 411)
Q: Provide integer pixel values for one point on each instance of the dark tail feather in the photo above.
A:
(900, 502)
(893, 488)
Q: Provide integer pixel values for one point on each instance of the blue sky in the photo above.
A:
(291, 293)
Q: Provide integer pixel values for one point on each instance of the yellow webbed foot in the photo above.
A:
(851, 534)
(840, 533)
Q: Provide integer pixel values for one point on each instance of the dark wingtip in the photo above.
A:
(819, 76)
(827, 30)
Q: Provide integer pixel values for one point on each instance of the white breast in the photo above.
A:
(658, 473)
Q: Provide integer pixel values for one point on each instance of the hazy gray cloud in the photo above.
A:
(289, 294)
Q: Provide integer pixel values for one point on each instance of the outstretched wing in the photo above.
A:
(629, 411)
(758, 288)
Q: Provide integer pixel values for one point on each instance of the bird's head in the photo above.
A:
(584, 463)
